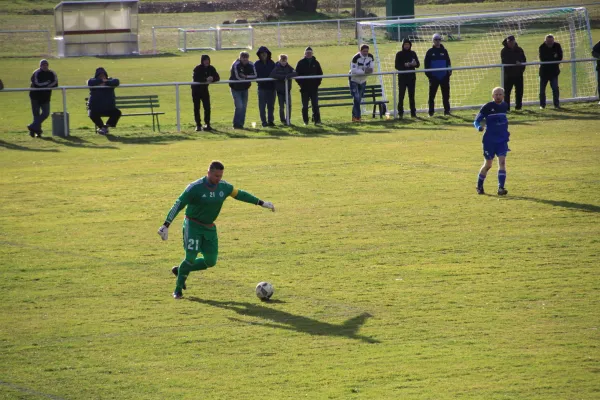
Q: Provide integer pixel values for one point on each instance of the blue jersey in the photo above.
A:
(496, 123)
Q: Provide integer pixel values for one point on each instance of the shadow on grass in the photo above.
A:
(558, 203)
(12, 146)
(284, 320)
(74, 141)
(148, 139)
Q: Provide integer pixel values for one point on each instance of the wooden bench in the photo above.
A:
(341, 96)
(139, 102)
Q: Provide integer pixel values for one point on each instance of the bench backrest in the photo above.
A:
(331, 94)
(147, 101)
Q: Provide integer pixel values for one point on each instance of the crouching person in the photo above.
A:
(282, 72)
(102, 101)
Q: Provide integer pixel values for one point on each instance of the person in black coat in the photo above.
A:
(266, 90)
(437, 57)
(513, 76)
(284, 71)
(407, 60)
(102, 102)
(309, 88)
(550, 51)
(596, 53)
(242, 70)
(43, 77)
(203, 72)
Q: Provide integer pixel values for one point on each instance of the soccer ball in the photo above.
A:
(264, 290)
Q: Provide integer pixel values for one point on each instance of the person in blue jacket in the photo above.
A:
(437, 57)
(102, 102)
(266, 90)
(495, 138)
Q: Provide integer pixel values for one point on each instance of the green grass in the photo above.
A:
(393, 278)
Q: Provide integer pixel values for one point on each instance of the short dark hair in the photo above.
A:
(364, 46)
(216, 165)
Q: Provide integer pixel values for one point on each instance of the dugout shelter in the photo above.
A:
(97, 28)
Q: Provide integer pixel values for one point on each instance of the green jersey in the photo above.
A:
(204, 201)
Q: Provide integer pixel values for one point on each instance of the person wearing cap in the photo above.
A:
(203, 72)
(309, 88)
(102, 102)
(242, 70)
(266, 90)
(550, 50)
(437, 57)
(407, 60)
(513, 76)
(43, 77)
(361, 66)
(596, 53)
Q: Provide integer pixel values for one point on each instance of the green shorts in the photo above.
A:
(199, 239)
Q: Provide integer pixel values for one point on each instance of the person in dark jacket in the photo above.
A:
(284, 71)
(513, 76)
(266, 90)
(437, 57)
(203, 72)
(43, 77)
(242, 69)
(596, 53)
(407, 60)
(550, 51)
(102, 101)
(309, 88)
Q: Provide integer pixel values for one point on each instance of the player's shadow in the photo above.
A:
(557, 203)
(285, 320)
(14, 146)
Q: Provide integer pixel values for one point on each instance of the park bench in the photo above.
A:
(340, 96)
(147, 102)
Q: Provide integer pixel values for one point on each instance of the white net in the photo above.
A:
(477, 40)
(197, 39)
(235, 38)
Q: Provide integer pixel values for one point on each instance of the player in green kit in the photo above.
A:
(204, 199)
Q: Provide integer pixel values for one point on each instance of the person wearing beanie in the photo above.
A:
(550, 50)
(102, 102)
(437, 57)
(266, 90)
(43, 77)
(284, 71)
(203, 72)
(309, 88)
(407, 60)
(361, 66)
(513, 76)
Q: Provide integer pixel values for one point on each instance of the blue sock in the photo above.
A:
(501, 178)
(480, 180)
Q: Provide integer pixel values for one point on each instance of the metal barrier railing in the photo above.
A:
(394, 74)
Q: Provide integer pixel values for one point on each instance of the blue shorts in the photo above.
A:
(490, 150)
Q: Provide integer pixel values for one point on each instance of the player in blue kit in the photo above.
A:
(495, 138)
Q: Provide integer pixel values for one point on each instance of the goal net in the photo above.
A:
(197, 39)
(235, 38)
(476, 39)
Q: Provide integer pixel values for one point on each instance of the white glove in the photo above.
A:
(163, 232)
(269, 205)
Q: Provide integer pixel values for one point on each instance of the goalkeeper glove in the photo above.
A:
(269, 205)
(163, 232)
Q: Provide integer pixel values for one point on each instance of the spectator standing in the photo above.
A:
(283, 71)
(309, 88)
(596, 53)
(513, 76)
(407, 60)
(43, 77)
(203, 72)
(550, 51)
(360, 67)
(266, 90)
(437, 57)
(242, 69)
(102, 102)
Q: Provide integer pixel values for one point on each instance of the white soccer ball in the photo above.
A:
(264, 290)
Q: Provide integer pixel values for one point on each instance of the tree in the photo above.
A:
(305, 5)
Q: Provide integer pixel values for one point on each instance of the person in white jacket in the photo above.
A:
(361, 66)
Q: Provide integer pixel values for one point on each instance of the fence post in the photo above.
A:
(502, 77)
(278, 35)
(65, 118)
(153, 41)
(394, 99)
(339, 32)
(177, 107)
(49, 43)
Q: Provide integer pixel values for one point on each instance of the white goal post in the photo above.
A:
(476, 39)
(219, 38)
